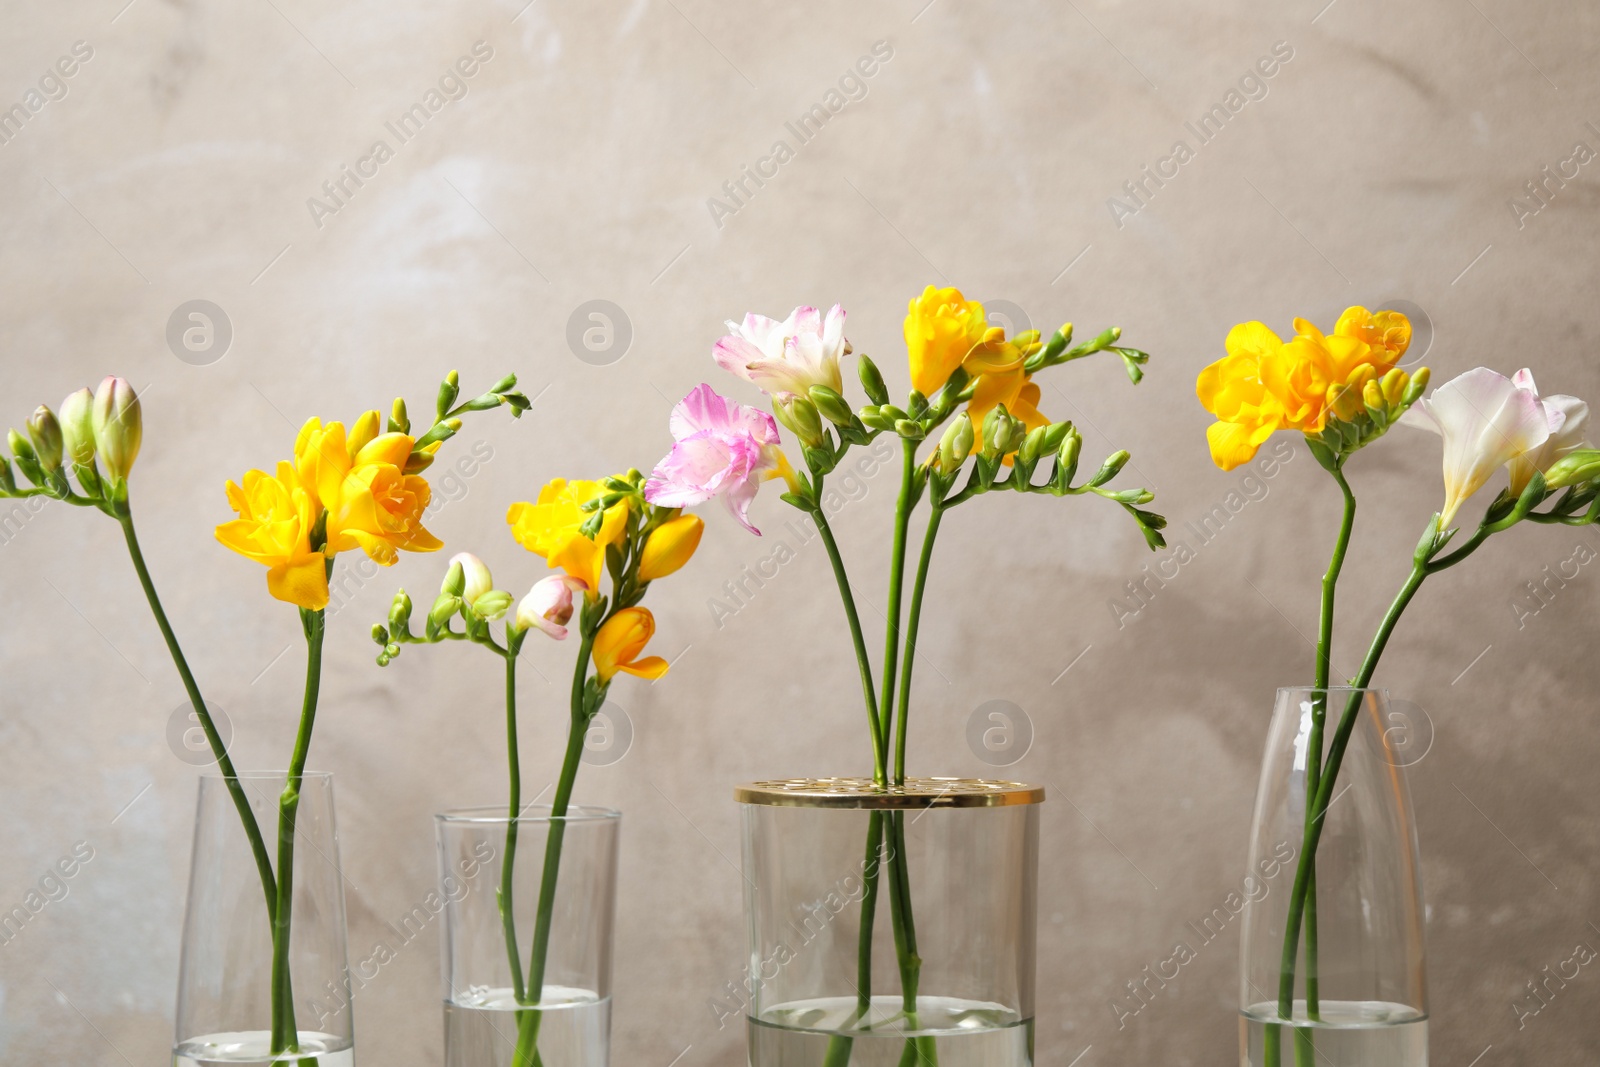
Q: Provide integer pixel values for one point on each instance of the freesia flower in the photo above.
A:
(551, 527)
(722, 448)
(788, 357)
(44, 431)
(1231, 389)
(1486, 421)
(941, 327)
(620, 641)
(1569, 418)
(360, 479)
(1265, 384)
(274, 527)
(670, 546)
(548, 605)
(118, 425)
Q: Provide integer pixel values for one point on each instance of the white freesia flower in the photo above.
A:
(1569, 424)
(1486, 421)
(787, 357)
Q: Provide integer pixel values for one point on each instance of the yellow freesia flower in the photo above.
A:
(360, 479)
(941, 327)
(1265, 384)
(670, 546)
(1232, 390)
(276, 515)
(550, 528)
(619, 642)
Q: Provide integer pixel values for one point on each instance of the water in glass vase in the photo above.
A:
(480, 1028)
(252, 1048)
(964, 1033)
(1361, 1033)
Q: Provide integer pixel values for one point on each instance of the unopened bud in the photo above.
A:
(400, 612)
(799, 414)
(1419, 385)
(399, 421)
(872, 380)
(492, 604)
(455, 579)
(832, 406)
(956, 444)
(1108, 469)
(45, 433)
(445, 606)
(118, 426)
(1574, 468)
(77, 427)
(1032, 445)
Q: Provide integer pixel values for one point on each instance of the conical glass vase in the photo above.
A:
(529, 910)
(888, 926)
(225, 1004)
(1332, 970)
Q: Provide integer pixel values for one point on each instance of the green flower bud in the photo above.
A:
(872, 381)
(449, 389)
(832, 406)
(45, 433)
(1000, 430)
(1108, 469)
(1067, 454)
(492, 605)
(445, 606)
(1031, 446)
(1417, 386)
(400, 612)
(1054, 434)
(455, 580)
(956, 444)
(118, 426)
(1574, 468)
(380, 636)
(799, 414)
(910, 429)
(77, 427)
(399, 421)
(892, 413)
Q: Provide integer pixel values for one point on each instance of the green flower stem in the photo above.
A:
(508, 917)
(285, 1035)
(919, 1050)
(880, 771)
(913, 621)
(839, 1046)
(252, 830)
(526, 1054)
(1304, 1050)
(897, 572)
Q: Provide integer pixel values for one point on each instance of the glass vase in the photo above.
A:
(1332, 967)
(889, 925)
(528, 982)
(225, 1009)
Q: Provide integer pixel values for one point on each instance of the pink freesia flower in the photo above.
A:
(788, 357)
(548, 605)
(1569, 419)
(722, 448)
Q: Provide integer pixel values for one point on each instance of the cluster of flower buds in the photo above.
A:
(1055, 352)
(447, 415)
(467, 590)
(1362, 410)
(95, 438)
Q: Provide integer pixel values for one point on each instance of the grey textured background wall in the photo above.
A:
(1384, 160)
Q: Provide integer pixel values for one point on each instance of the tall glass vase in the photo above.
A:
(1333, 970)
(889, 925)
(225, 1007)
(529, 909)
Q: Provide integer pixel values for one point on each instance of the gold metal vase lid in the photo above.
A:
(865, 794)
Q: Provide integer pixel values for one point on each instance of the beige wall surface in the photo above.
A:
(1387, 158)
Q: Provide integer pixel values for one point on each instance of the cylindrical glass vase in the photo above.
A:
(889, 925)
(534, 976)
(225, 1008)
(1332, 970)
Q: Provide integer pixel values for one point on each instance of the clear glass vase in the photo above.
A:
(889, 926)
(529, 983)
(1332, 969)
(225, 1009)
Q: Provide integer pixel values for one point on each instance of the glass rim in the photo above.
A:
(865, 794)
(489, 814)
(256, 776)
(1381, 690)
